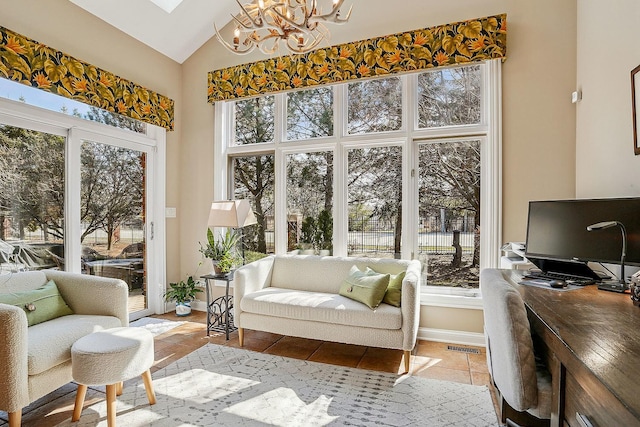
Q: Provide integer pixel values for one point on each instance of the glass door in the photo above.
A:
(114, 216)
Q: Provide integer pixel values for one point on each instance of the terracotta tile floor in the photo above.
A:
(429, 360)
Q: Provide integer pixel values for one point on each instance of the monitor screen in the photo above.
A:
(557, 229)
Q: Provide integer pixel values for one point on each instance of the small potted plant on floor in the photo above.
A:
(222, 251)
(182, 293)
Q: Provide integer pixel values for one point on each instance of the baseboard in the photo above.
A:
(451, 336)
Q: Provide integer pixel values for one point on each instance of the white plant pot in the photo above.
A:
(183, 308)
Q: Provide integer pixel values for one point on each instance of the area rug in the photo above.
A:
(226, 386)
(154, 325)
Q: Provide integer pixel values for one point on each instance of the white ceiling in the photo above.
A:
(176, 34)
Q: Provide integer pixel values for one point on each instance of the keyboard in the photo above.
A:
(571, 280)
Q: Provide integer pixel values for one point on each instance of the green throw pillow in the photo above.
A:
(42, 304)
(367, 287)
(393, 296)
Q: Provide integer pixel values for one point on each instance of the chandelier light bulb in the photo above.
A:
(295, 24)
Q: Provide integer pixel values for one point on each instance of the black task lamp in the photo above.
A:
(613, 285)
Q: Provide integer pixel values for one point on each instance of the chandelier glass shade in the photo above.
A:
(296, 24)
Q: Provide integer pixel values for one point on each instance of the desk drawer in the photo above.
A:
(595, 403)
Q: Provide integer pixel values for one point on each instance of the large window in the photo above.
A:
(384, 167)
(82, 197)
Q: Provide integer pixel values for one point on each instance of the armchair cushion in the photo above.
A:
(41, 304)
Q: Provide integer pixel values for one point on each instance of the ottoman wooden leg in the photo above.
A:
(148, 386)
(77, 409)
(119, 388)
(111, 405)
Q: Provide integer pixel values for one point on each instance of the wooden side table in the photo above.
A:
(219, 315)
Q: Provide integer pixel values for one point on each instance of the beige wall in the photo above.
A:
(606, 164)
(68, 28)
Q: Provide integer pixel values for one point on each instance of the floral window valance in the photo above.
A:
(34, 64)
(457, 43)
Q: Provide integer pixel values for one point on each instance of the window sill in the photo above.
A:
(451, 297)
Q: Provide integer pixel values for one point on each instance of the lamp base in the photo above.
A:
(612, 285)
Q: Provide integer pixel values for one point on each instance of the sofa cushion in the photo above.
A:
(320, 307)
(393, 296)
(325, 274)
(49, 343)
(367, 287)
(41, 304)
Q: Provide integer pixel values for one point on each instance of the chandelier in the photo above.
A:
(296, 24)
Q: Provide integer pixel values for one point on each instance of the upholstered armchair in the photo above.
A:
(524, 386)
(36, 360)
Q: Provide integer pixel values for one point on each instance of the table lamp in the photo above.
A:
(612, 285)
(232, 213)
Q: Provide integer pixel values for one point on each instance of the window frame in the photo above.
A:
(409, 136)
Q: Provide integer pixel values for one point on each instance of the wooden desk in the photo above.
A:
(593, 343)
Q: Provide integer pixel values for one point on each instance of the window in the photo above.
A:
(385, 167)
(82, 197)
(375, 106)
(32, 194)
(40, 98)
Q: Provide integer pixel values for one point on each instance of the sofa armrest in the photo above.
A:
(252, 277)
(87, 294)
(410, 305)
(14, 389)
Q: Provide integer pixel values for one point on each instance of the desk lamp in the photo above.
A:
(232, 213)
(613, 285)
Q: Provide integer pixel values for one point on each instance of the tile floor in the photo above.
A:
(429, 360)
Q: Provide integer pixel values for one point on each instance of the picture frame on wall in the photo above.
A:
(635, 98)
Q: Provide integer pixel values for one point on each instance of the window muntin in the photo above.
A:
(449, 97)
(310, 113)
(374, 106)
(254, 120)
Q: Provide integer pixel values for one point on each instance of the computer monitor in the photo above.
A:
(557, 230)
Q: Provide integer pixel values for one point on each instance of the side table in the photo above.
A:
(219, 315)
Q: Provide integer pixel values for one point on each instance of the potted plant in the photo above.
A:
(221, 251)
(182, 293)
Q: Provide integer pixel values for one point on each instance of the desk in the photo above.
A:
(592, 343)
(219, 315)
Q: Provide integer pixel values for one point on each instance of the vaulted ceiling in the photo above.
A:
(175, 28)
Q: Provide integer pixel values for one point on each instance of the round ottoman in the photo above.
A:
(109, 357)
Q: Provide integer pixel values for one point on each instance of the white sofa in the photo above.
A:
(297, 295)
(36, 360)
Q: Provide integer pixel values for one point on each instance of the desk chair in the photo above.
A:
(523, 386)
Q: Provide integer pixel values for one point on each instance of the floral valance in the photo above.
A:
(34, 64)
(457, 43)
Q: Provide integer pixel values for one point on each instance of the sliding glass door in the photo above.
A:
(83, 197)
(113, 215)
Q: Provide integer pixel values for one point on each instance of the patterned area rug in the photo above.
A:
(154, 325)
(225, 386)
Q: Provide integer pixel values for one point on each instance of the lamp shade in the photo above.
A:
(231, 213)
